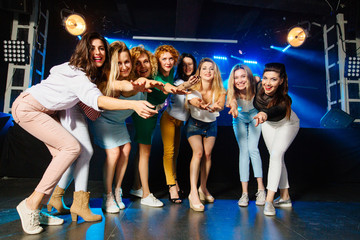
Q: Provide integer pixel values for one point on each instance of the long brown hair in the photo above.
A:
(281, 94)
(81, 58)
(233, 92)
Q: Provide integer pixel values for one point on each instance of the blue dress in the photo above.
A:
(110, 130)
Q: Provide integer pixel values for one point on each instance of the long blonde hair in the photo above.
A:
(233, 92)
(217, 86)
(115, 49)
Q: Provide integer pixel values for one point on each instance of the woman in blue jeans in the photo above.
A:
(241, 92)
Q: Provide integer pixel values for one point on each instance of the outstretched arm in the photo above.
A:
(142, 108)
(233, 108)
(261, 117)
(192, 80)
(199, 103)
(218, 105)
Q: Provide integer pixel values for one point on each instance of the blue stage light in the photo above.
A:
(79, 37)
(286, 48)
(221, 58)
(250, 61)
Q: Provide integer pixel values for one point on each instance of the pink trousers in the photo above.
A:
(64, 148)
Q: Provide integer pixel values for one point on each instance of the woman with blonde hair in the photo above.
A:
(167, 57)
(240, 97)
(110, 131)
(205, 102)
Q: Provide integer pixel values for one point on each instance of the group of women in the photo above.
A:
(108, 84)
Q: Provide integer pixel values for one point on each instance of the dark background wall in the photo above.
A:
(316, 157)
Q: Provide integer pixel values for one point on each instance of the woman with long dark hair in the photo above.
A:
(280, 126)
(34, 110)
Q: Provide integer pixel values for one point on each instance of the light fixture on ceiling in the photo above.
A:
(74, 23)
(298, 34)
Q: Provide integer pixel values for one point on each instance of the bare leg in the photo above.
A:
(260, 183)
(112, 157)
(244, 186)
(206, 163)
(197, 148)
(144, 155)
(122, 164)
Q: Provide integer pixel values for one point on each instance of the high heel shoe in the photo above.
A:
(204, 198)
(196, 207)
(177, 200)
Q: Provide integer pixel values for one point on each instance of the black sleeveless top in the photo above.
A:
(261, 100)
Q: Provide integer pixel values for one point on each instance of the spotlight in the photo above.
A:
(74, 23)
(16, 51)
(352, 67)
(297, 36)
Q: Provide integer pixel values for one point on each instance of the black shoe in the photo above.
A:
(174, 200)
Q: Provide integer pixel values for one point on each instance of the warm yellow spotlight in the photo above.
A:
(75, 24)
(296, 36)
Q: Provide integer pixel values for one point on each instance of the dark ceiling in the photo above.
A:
(243, 20)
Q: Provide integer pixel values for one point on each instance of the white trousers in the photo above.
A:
(75, 121)
(278, 136)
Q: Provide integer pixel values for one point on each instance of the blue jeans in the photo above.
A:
(197, 127)
(247, 136)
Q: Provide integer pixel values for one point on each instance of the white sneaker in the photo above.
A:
(280, 203)
(50, 220)
(151, 201)
(118, 198)
(109, 205)
(136, 193)
(260, 198)
(29, 218)
(244, 200)
(269, 209)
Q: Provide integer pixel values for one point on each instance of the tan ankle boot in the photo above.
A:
(56, 201)
(80, 207)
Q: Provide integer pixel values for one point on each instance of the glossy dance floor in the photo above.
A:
(308, 219)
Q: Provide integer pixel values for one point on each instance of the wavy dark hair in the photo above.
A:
(81, 58)
(281, 94)
(180, 71)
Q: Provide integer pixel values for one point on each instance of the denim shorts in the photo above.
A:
(196, 127)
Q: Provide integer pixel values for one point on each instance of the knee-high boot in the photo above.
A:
(80, 207)
(56, 201)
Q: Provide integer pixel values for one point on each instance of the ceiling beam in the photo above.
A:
(317, 7)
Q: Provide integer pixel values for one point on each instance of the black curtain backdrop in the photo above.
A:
(315, 157)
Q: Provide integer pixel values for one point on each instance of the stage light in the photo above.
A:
(16, 51)
(250, 61)
(220, 58)
(74, 23)
(286, 48)
(297, 36)
(352, 67)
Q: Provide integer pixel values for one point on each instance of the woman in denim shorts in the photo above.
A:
(205, 102)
